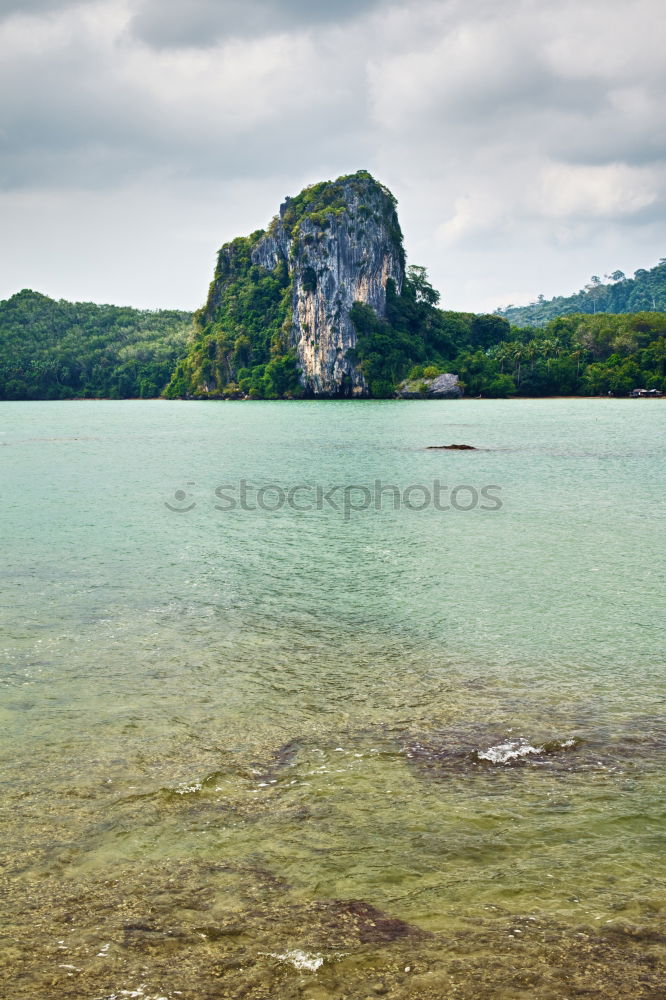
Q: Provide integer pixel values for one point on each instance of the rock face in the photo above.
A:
(441, 387)
(334, 244)
(334, 259)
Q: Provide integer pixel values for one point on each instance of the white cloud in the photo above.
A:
(609, 191)
(474, 216)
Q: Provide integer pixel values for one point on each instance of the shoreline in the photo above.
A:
(324, 399)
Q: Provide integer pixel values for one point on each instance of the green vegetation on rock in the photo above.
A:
(240, 345)
(417, 338)
(245, 342)
(320, 202)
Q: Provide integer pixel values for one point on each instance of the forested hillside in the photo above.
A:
(572, 355)
(66, 350)
(614, 293)
(62, 350)
(416, 335)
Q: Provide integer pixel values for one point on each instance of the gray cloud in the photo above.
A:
(525, 144)
(82, 117)
(9, 7)
(202, 23)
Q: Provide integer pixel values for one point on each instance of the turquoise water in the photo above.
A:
(247, 718)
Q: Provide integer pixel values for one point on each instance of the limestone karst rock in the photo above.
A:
(283, 296)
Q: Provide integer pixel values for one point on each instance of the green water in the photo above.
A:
(221, 727)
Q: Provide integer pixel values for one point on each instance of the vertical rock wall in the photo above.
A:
(335, 258)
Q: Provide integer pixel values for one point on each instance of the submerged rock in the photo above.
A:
(356, 920)
(135, 935)
(459, 754)
(451, 447)
(480, 750)
(283, 757)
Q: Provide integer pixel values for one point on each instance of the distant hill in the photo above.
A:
(74, 350)
(615, 293)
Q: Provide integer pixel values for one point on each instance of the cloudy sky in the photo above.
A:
(524, 139)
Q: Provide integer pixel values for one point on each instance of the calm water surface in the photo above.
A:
(292, 754)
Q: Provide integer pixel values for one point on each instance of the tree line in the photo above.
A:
(572, 355)
(76, 350)
(59, 350)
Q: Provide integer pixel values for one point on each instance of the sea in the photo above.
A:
(298, 701)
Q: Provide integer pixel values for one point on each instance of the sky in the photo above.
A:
(525, 140)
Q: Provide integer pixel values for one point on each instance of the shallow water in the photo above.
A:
(294, 753)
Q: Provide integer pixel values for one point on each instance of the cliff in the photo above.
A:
(278, 317)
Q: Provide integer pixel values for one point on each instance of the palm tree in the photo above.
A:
(518, 353)
(532, 352)
(659, 348)
(502, 353)
(576, 356)
(551, 347)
